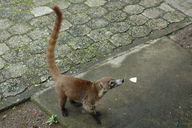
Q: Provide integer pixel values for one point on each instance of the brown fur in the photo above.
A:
(75, 89)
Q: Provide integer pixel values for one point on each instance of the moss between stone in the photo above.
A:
(25, 48)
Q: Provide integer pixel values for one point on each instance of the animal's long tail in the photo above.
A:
(52, 42)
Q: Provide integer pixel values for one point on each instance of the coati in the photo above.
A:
(78, 91)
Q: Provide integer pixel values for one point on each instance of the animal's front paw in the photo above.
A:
(98, 122)
(65, 112)
(97, 113)
(96, 117)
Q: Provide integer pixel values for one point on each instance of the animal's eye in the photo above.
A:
(112, 83)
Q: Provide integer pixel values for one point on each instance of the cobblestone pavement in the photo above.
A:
(91, 30)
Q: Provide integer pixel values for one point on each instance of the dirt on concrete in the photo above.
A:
(26, 115)
(183, 37)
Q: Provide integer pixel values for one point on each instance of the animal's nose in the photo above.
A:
(119, 81)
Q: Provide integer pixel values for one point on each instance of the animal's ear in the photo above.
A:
(100, 85)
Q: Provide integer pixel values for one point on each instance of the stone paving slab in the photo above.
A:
(91, 30)
(161, 98)
(14, 100)
(183, 5)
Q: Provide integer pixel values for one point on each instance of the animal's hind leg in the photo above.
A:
(62, 101)
(62, 105)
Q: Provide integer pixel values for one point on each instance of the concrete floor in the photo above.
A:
(161, 98)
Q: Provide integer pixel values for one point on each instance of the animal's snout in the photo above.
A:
(120, 81)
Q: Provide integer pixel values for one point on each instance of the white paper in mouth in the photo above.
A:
(133, 79)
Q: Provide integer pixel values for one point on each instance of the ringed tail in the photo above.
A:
(52, 42)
